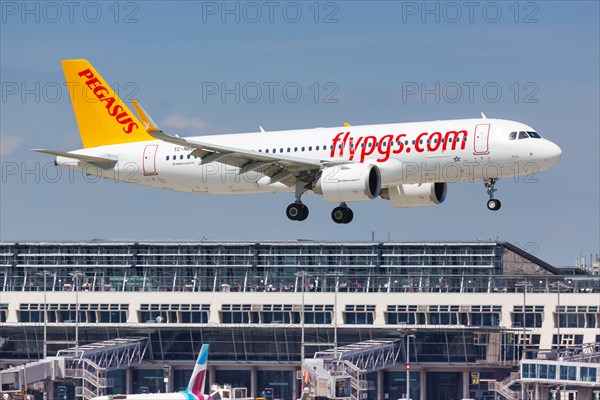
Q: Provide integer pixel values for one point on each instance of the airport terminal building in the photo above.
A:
(479, 320)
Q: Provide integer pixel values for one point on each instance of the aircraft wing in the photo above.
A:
(281, 168)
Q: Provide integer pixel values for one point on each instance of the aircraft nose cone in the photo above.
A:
(553, 153)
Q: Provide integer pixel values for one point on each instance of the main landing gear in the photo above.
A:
(342, 214)
(297, 211)
(492, 204)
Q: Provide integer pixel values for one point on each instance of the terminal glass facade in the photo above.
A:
(252, 301)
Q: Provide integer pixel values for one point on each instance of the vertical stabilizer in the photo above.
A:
(102, 117)
(196, 385)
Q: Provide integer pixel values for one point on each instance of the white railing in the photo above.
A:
(82, 391)
(503, 387)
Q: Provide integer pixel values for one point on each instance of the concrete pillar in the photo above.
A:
(253, 382)
(295, 383)
(171, 382)
(380, 385)
(423, 385)
(212, 376)
(465, 386)
(129, 380)
(49, 389)
(584, 393)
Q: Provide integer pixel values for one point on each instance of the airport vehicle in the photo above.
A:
(194, 390)
(408, 164)
(222, 392)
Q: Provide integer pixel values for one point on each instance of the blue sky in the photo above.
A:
(362, 56)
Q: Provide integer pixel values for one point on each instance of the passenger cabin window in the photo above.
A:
(512, 136)
(534, 135)
(523, 135)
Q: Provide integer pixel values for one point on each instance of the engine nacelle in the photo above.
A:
(416, 195)
(351, 182)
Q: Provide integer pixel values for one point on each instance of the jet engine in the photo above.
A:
(350, 182)
(416, 195)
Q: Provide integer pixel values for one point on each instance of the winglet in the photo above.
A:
(346, 124)
(148, 123)
(262, 129)
(483, 115)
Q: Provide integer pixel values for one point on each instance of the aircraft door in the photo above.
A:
(482, 136)
(149, 159)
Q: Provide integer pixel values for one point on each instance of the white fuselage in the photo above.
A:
(435, 151)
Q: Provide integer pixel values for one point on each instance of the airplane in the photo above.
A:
(194, 390)
(407, 164)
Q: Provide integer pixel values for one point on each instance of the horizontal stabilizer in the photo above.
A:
(104, 163)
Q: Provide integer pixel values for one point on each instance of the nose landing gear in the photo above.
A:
(492, 204)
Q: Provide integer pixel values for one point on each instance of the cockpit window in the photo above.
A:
(512, 136)
(523, 135)
(534, 135)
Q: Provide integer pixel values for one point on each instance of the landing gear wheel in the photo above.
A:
(342, 215)
(294, 211)
(349, 217)
(493, 204)
(304, 214)
(297, 212)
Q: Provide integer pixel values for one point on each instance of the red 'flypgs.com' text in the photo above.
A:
(387, 145)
